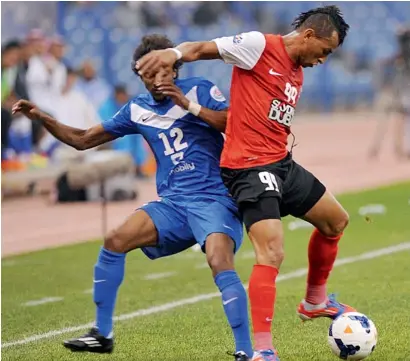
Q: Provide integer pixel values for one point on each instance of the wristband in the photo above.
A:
(177, 52)
(194, 108)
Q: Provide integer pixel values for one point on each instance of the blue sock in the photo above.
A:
(235, 304)
(108, 276)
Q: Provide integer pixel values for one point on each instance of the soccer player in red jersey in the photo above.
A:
(256, 166)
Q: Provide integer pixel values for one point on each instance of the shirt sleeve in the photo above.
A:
(243, 50)
(209, 96)
(121, 124)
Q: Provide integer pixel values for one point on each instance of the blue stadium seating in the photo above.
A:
(92, 31)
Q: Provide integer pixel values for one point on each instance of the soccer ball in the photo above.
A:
(352, 336)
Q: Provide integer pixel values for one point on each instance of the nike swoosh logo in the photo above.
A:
(272, 72)
(227, 227)
(145, 118)
(229, 301)
(268, 319)
(98, 281)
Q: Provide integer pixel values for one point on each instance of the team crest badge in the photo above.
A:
(237, 39)
(217, 94)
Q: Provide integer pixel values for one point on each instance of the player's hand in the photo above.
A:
(152, 62)
(27, 108)
(175, 93)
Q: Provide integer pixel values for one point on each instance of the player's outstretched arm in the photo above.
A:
(243, 50)
(152, 62)
(198, 50)
(215, 118)
(80, 139)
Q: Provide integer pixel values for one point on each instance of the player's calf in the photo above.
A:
(267, 239)
(220, 256)
(136, 232)
(330, 220)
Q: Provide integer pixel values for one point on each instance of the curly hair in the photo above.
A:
(323, 21)
(153, 42)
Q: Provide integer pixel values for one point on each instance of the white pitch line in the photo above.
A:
(9, 263)
(202, 265)
(42, 301)
(372, 209)
(189, 301)
(157, 276)
(299, 224)
(248, 254)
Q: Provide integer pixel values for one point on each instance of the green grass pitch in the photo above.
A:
(378, 287)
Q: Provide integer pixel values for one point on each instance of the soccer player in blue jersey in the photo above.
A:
(182, 122)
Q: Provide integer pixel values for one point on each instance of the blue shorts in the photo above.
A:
(181, 224)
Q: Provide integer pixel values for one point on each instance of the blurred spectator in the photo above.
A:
(95, 88)
(154, 14)
(39, 77)
(397, 108)
(16, 130)
(114, 102)
(56, 64)
(73, 109)
(402, 95)
(127, 14)
(207, 13)
(21, 79)
(132, 144)
(39, 73)
(10, 55)
(21, 89)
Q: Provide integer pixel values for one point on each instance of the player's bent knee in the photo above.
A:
(336, 227)
(273, 255)
(219, 253)
(220, 262)
(114, 243)
(267, 239)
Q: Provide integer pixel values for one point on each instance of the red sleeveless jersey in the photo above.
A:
(265, 89)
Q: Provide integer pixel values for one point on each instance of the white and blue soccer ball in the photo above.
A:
(352, 336)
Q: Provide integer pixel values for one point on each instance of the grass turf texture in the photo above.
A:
(379, 288)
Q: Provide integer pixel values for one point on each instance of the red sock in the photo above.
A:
(262, 294)
(322, 256)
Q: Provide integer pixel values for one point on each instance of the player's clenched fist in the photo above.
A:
(27, 108)
(152, 62)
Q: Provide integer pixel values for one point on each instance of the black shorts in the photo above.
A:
(273, 191)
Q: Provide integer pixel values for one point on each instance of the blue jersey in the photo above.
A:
(187, 150)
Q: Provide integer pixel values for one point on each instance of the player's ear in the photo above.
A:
(308, 34)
